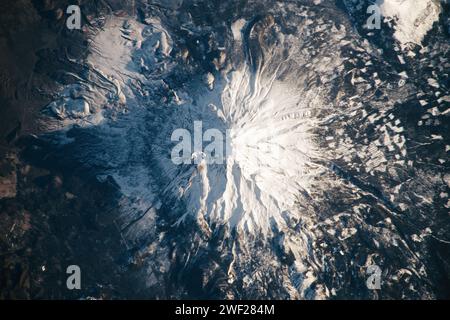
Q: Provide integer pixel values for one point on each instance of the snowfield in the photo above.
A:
(413, 18)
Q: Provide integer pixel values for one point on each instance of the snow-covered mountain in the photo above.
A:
(337, 153)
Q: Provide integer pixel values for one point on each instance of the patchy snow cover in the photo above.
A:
(294, 151)
(414, 18)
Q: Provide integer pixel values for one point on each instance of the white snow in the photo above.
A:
(278, 167)
(267, 167)
(70, 108)
(236, 28)
(414, 18)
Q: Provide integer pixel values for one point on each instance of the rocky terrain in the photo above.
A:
(338, 137)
